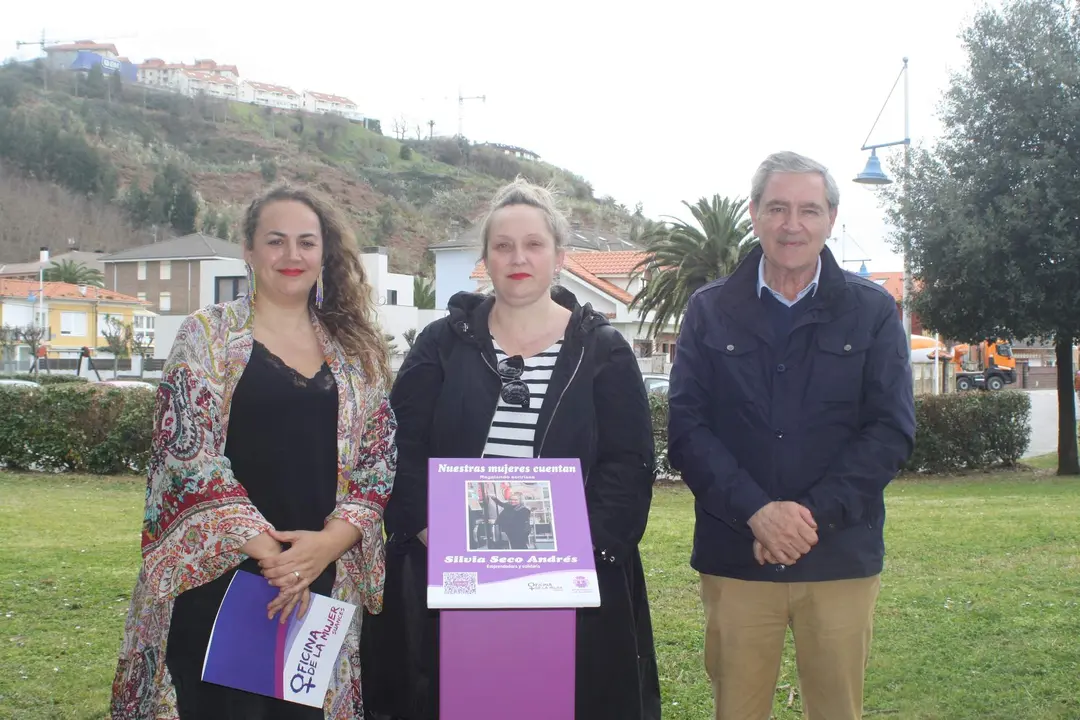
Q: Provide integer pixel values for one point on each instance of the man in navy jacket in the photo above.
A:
(791, 409)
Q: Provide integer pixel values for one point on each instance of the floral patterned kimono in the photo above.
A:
(198, 516)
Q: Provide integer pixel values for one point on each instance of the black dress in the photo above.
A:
(282, 444)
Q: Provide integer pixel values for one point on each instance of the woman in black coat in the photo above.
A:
(460, 393)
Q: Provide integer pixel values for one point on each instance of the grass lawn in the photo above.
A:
(978, 618)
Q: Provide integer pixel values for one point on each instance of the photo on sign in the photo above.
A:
(510, 516)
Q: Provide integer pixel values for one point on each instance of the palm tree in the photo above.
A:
(423, 293)
(681, 257)
(76, 273)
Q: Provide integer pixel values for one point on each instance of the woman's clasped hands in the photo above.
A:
(294, 568)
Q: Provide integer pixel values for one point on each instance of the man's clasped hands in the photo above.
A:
(784, 531)
(293, 569)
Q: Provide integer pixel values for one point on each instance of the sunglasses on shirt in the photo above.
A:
(514, 390)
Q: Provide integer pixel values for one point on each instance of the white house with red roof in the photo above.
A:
(609, 281)
(318, 102)
(170, 76)
(199, 82)
(270, 95)
(599, 269)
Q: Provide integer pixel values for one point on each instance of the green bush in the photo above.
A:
(957, 431)
(76, 428)
(46, 378)
(970, 430)
(658, 404)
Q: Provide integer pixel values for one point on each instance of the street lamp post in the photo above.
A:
(43, 260)
(872, 174)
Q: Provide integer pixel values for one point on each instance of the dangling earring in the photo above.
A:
(558, 276)
(251, 282)
(319, 291)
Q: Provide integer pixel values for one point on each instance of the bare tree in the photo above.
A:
(140, 345)
(33, 336)
(38, 214)
(401, 127)
(9, 340)
(117, 341)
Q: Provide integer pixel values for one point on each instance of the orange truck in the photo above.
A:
(989, 365)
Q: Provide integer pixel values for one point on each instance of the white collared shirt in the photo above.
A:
(810, 289)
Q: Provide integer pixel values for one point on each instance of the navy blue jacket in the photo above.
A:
(825, 420)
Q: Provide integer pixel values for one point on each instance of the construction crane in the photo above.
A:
(461, 110)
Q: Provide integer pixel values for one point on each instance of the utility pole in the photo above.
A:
(41, 43)
(461, 110)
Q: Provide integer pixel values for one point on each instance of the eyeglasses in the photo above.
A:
(514, 390)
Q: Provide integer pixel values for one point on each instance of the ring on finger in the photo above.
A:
(297, 574)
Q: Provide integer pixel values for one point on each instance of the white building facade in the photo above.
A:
(317, 102)
(268, 95)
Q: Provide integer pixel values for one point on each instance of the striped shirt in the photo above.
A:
(513, 428)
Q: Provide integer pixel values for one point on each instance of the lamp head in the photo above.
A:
(872, 173)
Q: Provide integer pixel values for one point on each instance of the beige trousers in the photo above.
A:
(745, 627)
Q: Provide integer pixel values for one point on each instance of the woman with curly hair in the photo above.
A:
(273, 453)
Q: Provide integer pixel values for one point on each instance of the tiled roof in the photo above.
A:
(83, 45)
(587, 267)
(270, 88)
(611, 289)
(89, 259)
(207, 77)
(22, 289)
(610, 263)
(195, 245)
(324, 97)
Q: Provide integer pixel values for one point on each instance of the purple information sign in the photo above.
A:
(509, 533)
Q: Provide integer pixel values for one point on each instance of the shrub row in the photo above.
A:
(956, 431)
(970, 431)
(79, 427)
(46, 378)
(76, 427)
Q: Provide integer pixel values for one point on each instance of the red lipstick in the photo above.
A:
(290, 272)
(520, 276)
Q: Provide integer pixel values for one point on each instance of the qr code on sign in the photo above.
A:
(459, 583)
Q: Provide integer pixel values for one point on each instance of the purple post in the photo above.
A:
(492, 663)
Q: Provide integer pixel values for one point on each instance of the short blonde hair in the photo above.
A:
(523, 192)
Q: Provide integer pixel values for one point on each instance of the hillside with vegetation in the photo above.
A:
(111, 165)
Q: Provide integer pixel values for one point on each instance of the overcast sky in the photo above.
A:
(677, 101)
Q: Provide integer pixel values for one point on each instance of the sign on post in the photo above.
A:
(509, 534)
(510, 558)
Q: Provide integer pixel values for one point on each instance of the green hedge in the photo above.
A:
(76, 427)
(46, 378)
(658, 403)
(956, 431)
(970, 430)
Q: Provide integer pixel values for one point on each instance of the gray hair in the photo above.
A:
(523, 192)
(790, 162)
